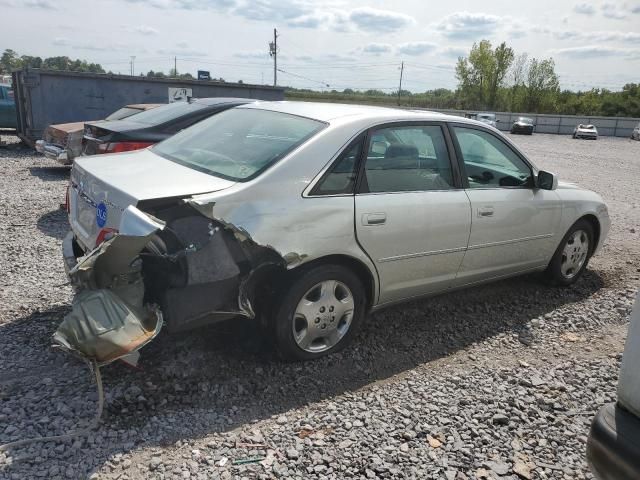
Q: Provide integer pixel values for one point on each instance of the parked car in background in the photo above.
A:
(7, 107)
(613, 447)
(251, 212)
(488, 118)
(63, 142)
(152, 126)
(585, 131)
(635, 135)
(523, 125)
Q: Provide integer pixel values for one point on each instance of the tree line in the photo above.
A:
(10, 61)
(493, 79)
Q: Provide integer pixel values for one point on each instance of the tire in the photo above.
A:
(309, 330)
(572, 255)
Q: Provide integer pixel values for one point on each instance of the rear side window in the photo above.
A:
(407, 159)
(341, 178)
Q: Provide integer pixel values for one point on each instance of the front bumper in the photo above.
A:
(54, 152)
(613, 448)
(587, 135)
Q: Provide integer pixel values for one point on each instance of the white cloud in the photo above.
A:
(141, 29)
(61, 41)
(597, 51)
(611, 10)
(376, 48)
(415, 48)
(584, 8)
(37, 4)
(379, 21)
(469, 25)
(454, 52)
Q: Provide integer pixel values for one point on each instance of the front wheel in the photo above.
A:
(572, 255)
(318, 312)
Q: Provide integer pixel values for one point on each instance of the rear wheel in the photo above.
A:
(572, 255)
(318, 313)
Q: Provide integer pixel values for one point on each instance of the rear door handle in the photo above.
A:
(374, 218)
(485, 211)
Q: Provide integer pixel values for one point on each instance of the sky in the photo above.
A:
(335, 44)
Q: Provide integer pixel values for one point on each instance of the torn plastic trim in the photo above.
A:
(108, 319)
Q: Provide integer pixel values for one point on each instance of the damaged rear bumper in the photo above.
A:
(109, 319)
(181, 270)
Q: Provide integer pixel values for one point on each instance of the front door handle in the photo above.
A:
(374, 218)
(485, 211)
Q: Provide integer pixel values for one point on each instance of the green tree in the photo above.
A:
(9, 61)
(542, 86)
(482, 74)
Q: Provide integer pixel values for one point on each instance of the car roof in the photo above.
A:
(326, 112)
(211, 101)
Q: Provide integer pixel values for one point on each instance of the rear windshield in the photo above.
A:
(165, 113)
(238, 144)
(525, 120)
(124, 112)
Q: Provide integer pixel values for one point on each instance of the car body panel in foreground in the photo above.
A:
(613, 447)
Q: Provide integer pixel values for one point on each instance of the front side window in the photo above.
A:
(406, 159)
(239, 143)
(490, 162)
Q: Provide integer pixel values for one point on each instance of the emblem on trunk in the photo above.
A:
(101, 214)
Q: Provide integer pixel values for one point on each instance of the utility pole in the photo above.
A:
(400, 87)
(175, 66)
(273, 52)
(133, 59)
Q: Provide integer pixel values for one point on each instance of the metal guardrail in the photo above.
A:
(557, 124)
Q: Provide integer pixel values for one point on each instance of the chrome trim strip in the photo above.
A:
(461, 249)
(421, 254)
(507, 242)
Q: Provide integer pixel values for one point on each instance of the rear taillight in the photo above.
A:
(105, 234)
(118, 147)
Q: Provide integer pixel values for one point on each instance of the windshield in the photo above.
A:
(159, 115)
(238, 144)
(525, 120)
(124, 112)
(486, 116)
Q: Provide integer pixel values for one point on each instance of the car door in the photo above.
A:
(412, 216)
(513, 223)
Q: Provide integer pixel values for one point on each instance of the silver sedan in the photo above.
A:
(307, 217)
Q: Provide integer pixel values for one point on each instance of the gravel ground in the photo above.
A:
(499, 381)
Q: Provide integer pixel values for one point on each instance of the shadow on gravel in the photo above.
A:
(50, 174)
(226, 376)
(54, 223)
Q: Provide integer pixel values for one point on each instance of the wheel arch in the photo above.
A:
(357, 266)
(595, 224)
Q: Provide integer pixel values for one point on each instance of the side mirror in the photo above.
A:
(547, 180)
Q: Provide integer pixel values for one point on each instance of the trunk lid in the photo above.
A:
(103, 186)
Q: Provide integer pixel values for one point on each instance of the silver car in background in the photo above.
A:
(307, 216)
(589, 132)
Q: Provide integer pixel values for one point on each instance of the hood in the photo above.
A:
(103, 186)
(568, 185)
